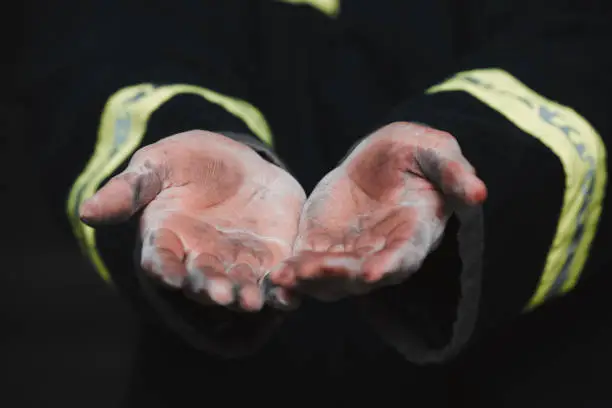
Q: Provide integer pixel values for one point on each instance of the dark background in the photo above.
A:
(64, 336)
(66, 339)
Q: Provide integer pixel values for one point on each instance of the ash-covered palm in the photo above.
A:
(216, 217)
(372, 221)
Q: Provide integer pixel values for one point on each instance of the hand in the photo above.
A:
(216, 216)
(372, 221)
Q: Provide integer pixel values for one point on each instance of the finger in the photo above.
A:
(282, 298)
(313, 240)
(336, 276)
(246, 288)
(351, 237)
(304, 267)
(307, 265)
(402, 254)
(162, 257)
(207, 281)
(121, 197)
(367, 243)
(326, 276)
(277, 296)
(454, 176)
(341, 265)
(283, 275)
(251, 256)
(375, 237)
(313, 266)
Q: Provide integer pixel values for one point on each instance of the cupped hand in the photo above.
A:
(216, 217)
(372, 221)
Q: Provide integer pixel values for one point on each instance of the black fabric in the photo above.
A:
(546, 46)
(186, 112)
(431, 317)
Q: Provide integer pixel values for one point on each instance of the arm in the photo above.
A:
(530, 111)
(116, 77)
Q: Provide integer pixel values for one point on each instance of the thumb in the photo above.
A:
(122, 196)
(455, 177)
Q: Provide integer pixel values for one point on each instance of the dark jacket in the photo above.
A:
(522, 85)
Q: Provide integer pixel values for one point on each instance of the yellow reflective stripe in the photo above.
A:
(122, 128)
(328, 7)
(579, 149)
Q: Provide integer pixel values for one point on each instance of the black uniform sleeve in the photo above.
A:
(114, 76)
(530, 110)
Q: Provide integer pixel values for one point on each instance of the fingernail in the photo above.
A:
(479, 191)
(251, 298)
(278, 275)
(220, 291)
(173, 280)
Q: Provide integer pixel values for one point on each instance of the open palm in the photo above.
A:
(372, 221)
(216, 216)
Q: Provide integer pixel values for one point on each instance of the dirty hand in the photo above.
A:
(372, 221)
(216, 217)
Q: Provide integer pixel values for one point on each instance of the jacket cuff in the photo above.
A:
(500, 255)
(431, 317)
